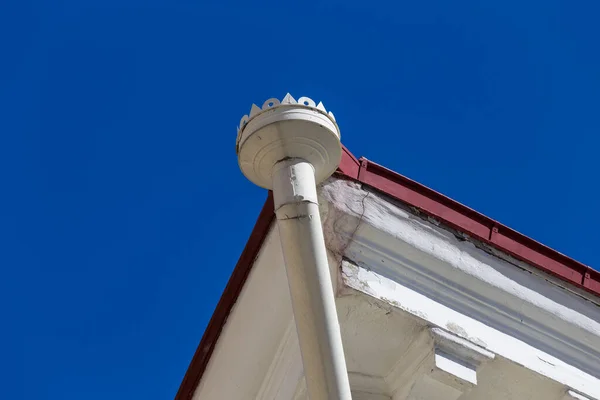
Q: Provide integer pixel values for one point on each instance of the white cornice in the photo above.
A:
(408, 254)
(436, 355)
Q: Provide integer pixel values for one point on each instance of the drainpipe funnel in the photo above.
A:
(289, 147)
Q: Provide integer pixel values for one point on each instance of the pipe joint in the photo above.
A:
(294, 183)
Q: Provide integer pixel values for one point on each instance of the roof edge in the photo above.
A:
(476, 225)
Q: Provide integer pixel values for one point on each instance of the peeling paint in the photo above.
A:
(460, 331)
(392, 302)
(457, 329)
(497, 342)
(455, 273)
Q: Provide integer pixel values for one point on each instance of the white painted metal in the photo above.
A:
(287, 129)
(289, 147)
(309, 280)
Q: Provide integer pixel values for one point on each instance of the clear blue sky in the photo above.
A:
(123, 211)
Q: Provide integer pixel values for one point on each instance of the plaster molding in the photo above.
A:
(285, 372)
(460, 348)
(488, 339)
(410, 366)
(571, 395)
(368, 387)
(457, 360)
(542, 328)
(446, 369)
(403, 249)
(301, 392)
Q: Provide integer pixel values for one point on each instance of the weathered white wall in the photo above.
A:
(416, 265)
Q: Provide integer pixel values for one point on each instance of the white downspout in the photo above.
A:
(301, 234)
(289, 147)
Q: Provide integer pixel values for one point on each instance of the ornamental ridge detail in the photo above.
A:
(287, 101)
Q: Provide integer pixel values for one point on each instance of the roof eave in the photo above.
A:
(427, 201)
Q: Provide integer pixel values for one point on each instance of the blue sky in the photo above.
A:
(123, 211)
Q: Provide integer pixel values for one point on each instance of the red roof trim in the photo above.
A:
(414, 194)
(477, 225)
(230, 294)
(430, 201)
(349, 165)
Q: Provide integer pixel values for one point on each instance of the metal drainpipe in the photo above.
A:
(289, 147)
